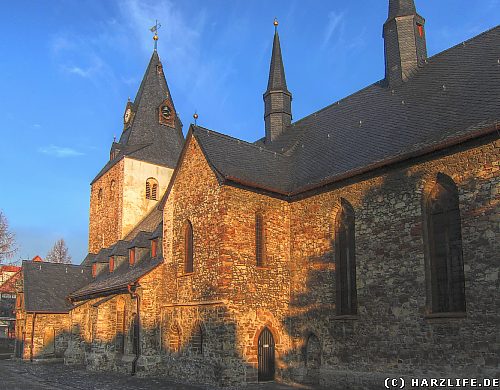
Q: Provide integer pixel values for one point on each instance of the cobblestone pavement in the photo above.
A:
(16, 375)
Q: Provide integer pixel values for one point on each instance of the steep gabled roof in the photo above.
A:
(47, 285)
(456, 95)
(146, 139)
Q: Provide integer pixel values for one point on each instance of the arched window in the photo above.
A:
(197, 339)
(174, 338)
(120, 326)
(188, 248)
(152, 189)
(444, 242)
(345, 264)
(260, 245)
(112, 189)
(99, 196)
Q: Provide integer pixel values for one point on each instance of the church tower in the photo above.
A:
(404, 41)
(277, 98)
(140, 164)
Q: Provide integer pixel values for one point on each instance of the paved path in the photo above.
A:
(15, 375)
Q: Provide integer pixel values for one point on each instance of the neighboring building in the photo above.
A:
(42, 307)
(9, 280)
(358, 243)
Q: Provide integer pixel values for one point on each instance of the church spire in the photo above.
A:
(277, 98)
(404, 41)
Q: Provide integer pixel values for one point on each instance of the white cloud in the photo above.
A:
(60, 151)
(335, 22)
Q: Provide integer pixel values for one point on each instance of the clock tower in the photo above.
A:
(141, 162)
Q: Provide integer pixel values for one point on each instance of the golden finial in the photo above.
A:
(195, 116)
(275, 23)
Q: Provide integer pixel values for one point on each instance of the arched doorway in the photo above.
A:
(313, 360)
(266, 355)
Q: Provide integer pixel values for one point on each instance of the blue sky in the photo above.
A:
(67, 68)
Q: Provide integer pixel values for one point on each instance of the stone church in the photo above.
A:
(358, 243)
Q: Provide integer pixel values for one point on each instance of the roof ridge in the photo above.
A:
(261, 148)
(52, 263)
(445, 51)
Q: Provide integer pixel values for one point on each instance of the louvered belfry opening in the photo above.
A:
(259, 241)
(152, 189)
(188, 248)
(197, 339)
(266, 356)
(345, 264)
(445, 247)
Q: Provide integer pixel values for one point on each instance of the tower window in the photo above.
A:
(259, 240)
(345, 264)
(188, 248)
(99, 196)
(152, 189)
(444, 240)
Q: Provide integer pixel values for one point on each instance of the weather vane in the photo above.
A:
(154, 30)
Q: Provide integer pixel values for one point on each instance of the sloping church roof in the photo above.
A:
(456, 95)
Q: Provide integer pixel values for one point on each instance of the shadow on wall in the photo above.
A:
(393, 331)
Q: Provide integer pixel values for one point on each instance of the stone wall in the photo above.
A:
(47, 334)
(393, 333)
(105, 217)
(295, 294)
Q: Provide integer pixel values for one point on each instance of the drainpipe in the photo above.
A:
(32, 336)
(137, 337)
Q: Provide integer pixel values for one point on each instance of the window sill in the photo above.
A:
(346, 317)
(262, 267)
(450, 315)
(185, 274)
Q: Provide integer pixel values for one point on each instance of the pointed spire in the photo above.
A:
(401, 8)
(153, 119)
(277, 80)
(404, 42)
(277, 98)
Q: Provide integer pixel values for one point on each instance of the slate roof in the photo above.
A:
(456, 94)
(89, 259)
(47, 285)
(146, 139)
(123, 275)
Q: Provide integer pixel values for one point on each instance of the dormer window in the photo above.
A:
(131, 256)
(111, 264)
(154, 247)
(420, 30)
(94, 270)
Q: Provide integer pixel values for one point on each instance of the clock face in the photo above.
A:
(128, 113)
(166, 112)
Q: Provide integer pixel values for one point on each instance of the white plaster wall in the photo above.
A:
(135, 204)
